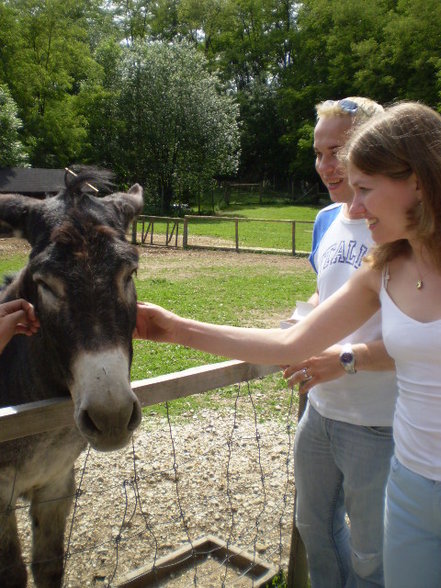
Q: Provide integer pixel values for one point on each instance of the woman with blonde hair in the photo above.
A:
(394, 168)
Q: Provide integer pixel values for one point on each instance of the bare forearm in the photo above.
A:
(326, 366)
(372, 356)
(314, 299)
(253, 345)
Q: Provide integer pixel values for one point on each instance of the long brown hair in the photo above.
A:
(404, 140)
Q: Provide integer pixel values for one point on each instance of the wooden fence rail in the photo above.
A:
(173, 225)
(39, 417)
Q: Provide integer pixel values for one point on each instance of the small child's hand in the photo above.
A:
(16, 317)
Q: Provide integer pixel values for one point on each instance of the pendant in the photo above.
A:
(419, 284)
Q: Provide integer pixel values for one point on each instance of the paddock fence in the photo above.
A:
(203, 499)
(177, 232)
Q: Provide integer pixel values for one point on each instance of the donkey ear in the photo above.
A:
(127, 204)
(17, 215)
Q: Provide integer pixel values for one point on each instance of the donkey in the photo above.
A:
(79, 278)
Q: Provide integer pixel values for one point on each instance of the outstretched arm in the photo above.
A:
(16, 317)
(331, 321)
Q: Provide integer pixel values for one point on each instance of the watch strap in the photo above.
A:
(347, 359)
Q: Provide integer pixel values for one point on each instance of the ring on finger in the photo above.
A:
(306, 376)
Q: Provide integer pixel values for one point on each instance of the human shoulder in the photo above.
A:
(368, 277)
(326, 216)
(323, 221)
(332, 210)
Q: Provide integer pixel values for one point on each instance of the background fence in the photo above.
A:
(194, 232)
(221, 473)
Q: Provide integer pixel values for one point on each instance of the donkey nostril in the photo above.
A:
(135, 418)
(87, 424)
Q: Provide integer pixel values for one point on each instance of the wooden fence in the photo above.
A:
(175, 226)
(39, 417)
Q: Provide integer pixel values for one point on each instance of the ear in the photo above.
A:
(18, 215)
(417, 186)
(127, 205)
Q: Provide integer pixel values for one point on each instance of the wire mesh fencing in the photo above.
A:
(221, 471)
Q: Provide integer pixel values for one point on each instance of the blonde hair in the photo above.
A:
(404, 140)
(363, 109)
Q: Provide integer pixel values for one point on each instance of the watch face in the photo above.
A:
(346, 357)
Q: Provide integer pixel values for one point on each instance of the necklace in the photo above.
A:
(419, 283)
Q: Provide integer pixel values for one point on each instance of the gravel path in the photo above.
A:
(208, 473)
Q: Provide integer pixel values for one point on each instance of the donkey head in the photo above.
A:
(79, 277)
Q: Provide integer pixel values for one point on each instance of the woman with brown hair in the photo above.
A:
(394, 167)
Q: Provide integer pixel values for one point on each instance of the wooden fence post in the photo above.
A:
(185, 235)
(134, 229)
(293, 237)
(298, 565)
(236, 224)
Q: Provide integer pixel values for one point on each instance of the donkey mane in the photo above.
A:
(78, 235)
(84, 183)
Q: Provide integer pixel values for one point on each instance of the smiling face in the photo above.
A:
(384, 203)
(330, 134)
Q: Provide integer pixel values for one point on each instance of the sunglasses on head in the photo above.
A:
(346, 105)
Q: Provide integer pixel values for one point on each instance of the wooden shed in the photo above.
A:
(31, 181)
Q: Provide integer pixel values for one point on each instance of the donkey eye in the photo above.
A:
(46, 288)
(131, 275)
(49, 286)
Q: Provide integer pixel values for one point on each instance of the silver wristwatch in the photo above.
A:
(347, 359)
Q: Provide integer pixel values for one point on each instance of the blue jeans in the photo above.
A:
(412, 532)
(341, 468)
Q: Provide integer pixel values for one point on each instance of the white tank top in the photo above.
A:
(416, 349)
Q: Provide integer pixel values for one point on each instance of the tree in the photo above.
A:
(44, 66)
(12, 152)
(412, 50)
(249, 42)
(97, 102)
(132, 18)
(179, 130)
(263, 158)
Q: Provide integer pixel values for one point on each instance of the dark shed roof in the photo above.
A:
(31, 181)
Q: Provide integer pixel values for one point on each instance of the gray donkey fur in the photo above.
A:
(79, 278)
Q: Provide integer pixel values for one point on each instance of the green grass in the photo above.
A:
(280, 212)
(216, 294)
(10, 265)
(209, 290)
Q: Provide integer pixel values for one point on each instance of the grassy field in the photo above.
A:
(239, 289)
